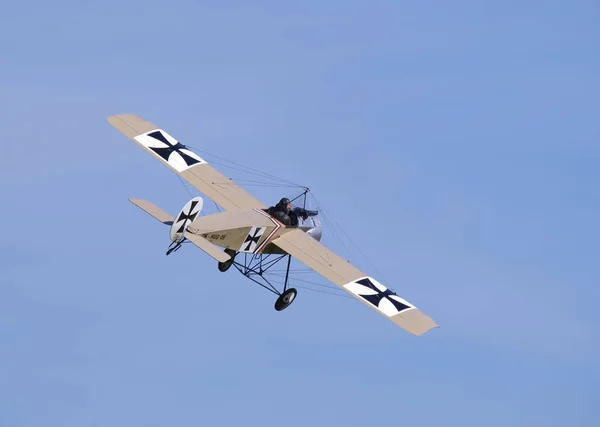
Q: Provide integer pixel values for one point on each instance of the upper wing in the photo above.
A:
(184, 162)
(366, 289)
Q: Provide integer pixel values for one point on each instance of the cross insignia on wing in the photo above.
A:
(169, 149)
(166, 152)
(378, 295)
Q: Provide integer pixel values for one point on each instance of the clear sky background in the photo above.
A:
(456, 141)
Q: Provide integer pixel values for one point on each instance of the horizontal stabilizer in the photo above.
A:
(153, 210)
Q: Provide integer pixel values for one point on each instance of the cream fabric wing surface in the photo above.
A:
(364, 288)
(187, 164)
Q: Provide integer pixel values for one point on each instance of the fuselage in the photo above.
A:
(253, 230)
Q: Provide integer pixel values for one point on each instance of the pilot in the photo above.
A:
(282, 210)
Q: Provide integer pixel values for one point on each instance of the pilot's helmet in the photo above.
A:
(284, 202)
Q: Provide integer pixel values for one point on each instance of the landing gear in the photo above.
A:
(174, 246)
(224, 266)
(254, 267)
(285, 299)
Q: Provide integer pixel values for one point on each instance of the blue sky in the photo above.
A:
(456, 142)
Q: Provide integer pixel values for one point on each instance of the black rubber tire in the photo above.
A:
(285, 299)
(224, 266)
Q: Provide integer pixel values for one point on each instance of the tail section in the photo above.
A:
(178, 232)
(186, 216)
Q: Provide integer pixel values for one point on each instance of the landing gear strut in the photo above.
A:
(255, 266)
(174, 246)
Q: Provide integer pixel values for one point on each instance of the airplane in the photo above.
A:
(254, 237)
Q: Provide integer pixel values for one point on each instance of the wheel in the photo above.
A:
(285, 299)
(224, 266)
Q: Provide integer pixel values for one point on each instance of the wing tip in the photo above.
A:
(125, 117)
(415, 321)
(423, 331)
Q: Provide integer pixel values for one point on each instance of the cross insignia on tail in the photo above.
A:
(183, 217)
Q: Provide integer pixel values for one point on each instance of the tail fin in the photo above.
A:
(184, 218)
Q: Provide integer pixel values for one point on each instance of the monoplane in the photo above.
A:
(252, 236)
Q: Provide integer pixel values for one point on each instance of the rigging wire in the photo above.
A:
(334, 233)
(260, 182)
(248, 168)
(191, 196)
(330, 222)
(184, 186)
(325, 214)
(324, 292)
(310, 282)
(340, 295)
(254, 185)
(352, 242)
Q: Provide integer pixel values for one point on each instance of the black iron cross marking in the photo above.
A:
(165, 152)
(184, 217)
(252, 239)
(376, 299)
